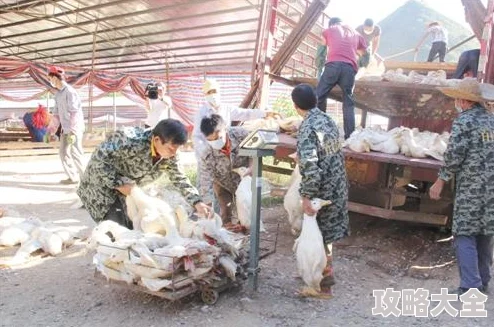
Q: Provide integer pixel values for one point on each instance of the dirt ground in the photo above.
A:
(63, 291)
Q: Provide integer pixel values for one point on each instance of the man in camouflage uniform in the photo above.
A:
(134, 155)
(218, 160)
(322, 166)
(469, 158)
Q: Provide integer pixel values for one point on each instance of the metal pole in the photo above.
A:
(114, 112)
(255, 218)
(90, 111)
(168, 82)
(485, 42)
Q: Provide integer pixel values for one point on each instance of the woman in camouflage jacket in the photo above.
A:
(218, 161)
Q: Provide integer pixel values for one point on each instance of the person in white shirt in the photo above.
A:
(159, 104)
(439, 41)
(67, 112)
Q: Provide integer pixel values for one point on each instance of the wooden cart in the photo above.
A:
(209, 292)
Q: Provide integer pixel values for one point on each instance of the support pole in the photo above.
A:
(114, 111)
(255, 213)
(167, 81)
(90, 115)
(90, 102)
(255, 218)
(264, 80)
(485, 42)
(289, 46)
(363, 118)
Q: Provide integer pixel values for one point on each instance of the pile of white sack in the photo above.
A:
(33, 235)
(410, 142)
(436, 77)
(166, 250)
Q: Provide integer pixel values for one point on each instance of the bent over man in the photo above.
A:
(129, 156)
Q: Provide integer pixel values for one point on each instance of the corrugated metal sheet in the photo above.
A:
(132, 35)
(143, 36)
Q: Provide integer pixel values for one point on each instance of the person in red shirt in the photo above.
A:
(344, 45)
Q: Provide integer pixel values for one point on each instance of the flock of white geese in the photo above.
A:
(408, 141)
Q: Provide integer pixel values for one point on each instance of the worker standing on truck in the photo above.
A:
(322, 167)
(468, 64)
(439, 41)
(344, 44)
(371, 34)
(469, 158)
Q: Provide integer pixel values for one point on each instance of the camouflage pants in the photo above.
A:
(215, 204)
(225, 201)
(333, 223)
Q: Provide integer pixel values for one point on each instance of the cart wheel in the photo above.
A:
(209, 296)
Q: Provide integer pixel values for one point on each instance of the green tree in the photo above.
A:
(284, 105)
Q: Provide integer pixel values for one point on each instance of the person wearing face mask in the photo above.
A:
(67, 112)
(469, 159)
(213, 105)
(135, 156)
(372, 35)
(218, 161)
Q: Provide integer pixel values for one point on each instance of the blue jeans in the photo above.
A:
(474, 255)
(341, 74)
(468, 62)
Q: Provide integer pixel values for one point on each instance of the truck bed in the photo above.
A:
(288, 145)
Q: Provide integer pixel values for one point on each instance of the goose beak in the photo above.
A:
(325, 203)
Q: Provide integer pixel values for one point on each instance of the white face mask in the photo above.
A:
(368, 32)
(219, 143)
(213, 99)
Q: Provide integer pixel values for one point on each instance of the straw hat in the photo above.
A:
(467, 89)
(210, 84)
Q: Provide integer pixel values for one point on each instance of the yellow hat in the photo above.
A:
(210, 84)
(467, 89)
